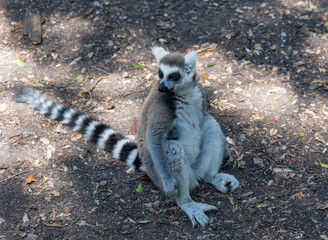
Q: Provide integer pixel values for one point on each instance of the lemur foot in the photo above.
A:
(195, 212)
(224, 182)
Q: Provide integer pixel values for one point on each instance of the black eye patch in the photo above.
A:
(160, 73)
(175, 76)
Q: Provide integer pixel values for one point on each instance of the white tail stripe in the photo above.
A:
(131, 158)
(91, 128)
(55, 111)
(79, 122)
(68, 116)
(104, 137)
(45, 107)
(118, 147)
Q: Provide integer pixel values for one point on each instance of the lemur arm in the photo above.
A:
(155, 143)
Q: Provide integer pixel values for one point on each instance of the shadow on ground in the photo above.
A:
(263, 67)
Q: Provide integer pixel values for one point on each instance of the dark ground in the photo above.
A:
(268, 89)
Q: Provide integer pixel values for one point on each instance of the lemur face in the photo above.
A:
(175, 71)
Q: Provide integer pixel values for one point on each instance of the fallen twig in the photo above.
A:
(52, 225)
(4, 180)
(300, 231)
(89, 90)
(175, 5)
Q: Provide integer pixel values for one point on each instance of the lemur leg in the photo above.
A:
(214, 152)
(183, 174)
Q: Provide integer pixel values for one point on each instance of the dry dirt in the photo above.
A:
(263, 65)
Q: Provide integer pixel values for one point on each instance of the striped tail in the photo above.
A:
(103, 135)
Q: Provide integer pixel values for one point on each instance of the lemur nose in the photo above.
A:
(162, 88)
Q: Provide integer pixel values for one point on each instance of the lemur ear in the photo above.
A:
(190, 60)
(159, 53)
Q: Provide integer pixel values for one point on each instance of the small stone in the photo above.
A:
(45, 140)
(83, 70)
(103, 183)
(31, 236)
(270, 183)
(75, 61)
(75, 168)
(110, 43)
(162, 41)
(90, 54)
(242, 137)
(22, 235)
(51, 148)
(125, 74)
(67, 210)
(31, 77)
(25, 218)
(283, 34)
(323, 237)
(96, 4)
(60, 130)
(279, 178)
(264, 142)
(258, 162)
(2, 220)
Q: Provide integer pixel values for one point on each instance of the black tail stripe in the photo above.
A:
(61, 112)
(137, 162)
(85, 124)
(49, 110)
(126, 149)
(112, 140)
(38, 107)
(96, 133)
(75, 116)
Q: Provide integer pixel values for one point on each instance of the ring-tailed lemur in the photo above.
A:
(179, 143)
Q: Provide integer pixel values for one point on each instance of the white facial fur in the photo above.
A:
(186, 73)
(167, 70)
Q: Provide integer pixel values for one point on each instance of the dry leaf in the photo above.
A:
(322, 205)
(30, 179)
(206, 77)
(78, 136)
(320, 139)
(320, 81)
(3, 107)
(257, 117)
(16, 26)
(273, 131)
(230, 141)
(53, 214)
(134, 128)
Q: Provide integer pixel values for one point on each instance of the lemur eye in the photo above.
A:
(175, 76)
(160, 74)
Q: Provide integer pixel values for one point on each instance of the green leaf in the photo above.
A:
(326, 24)
(137, 66)
(139, 189)
(80, 78)
(211, 65)
(302, 136)
(42, 20)
(37, 84)
(22, 2)
(263, 31)
(323, 165)
(20, 63)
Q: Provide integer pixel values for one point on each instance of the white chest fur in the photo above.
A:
(189, 113)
